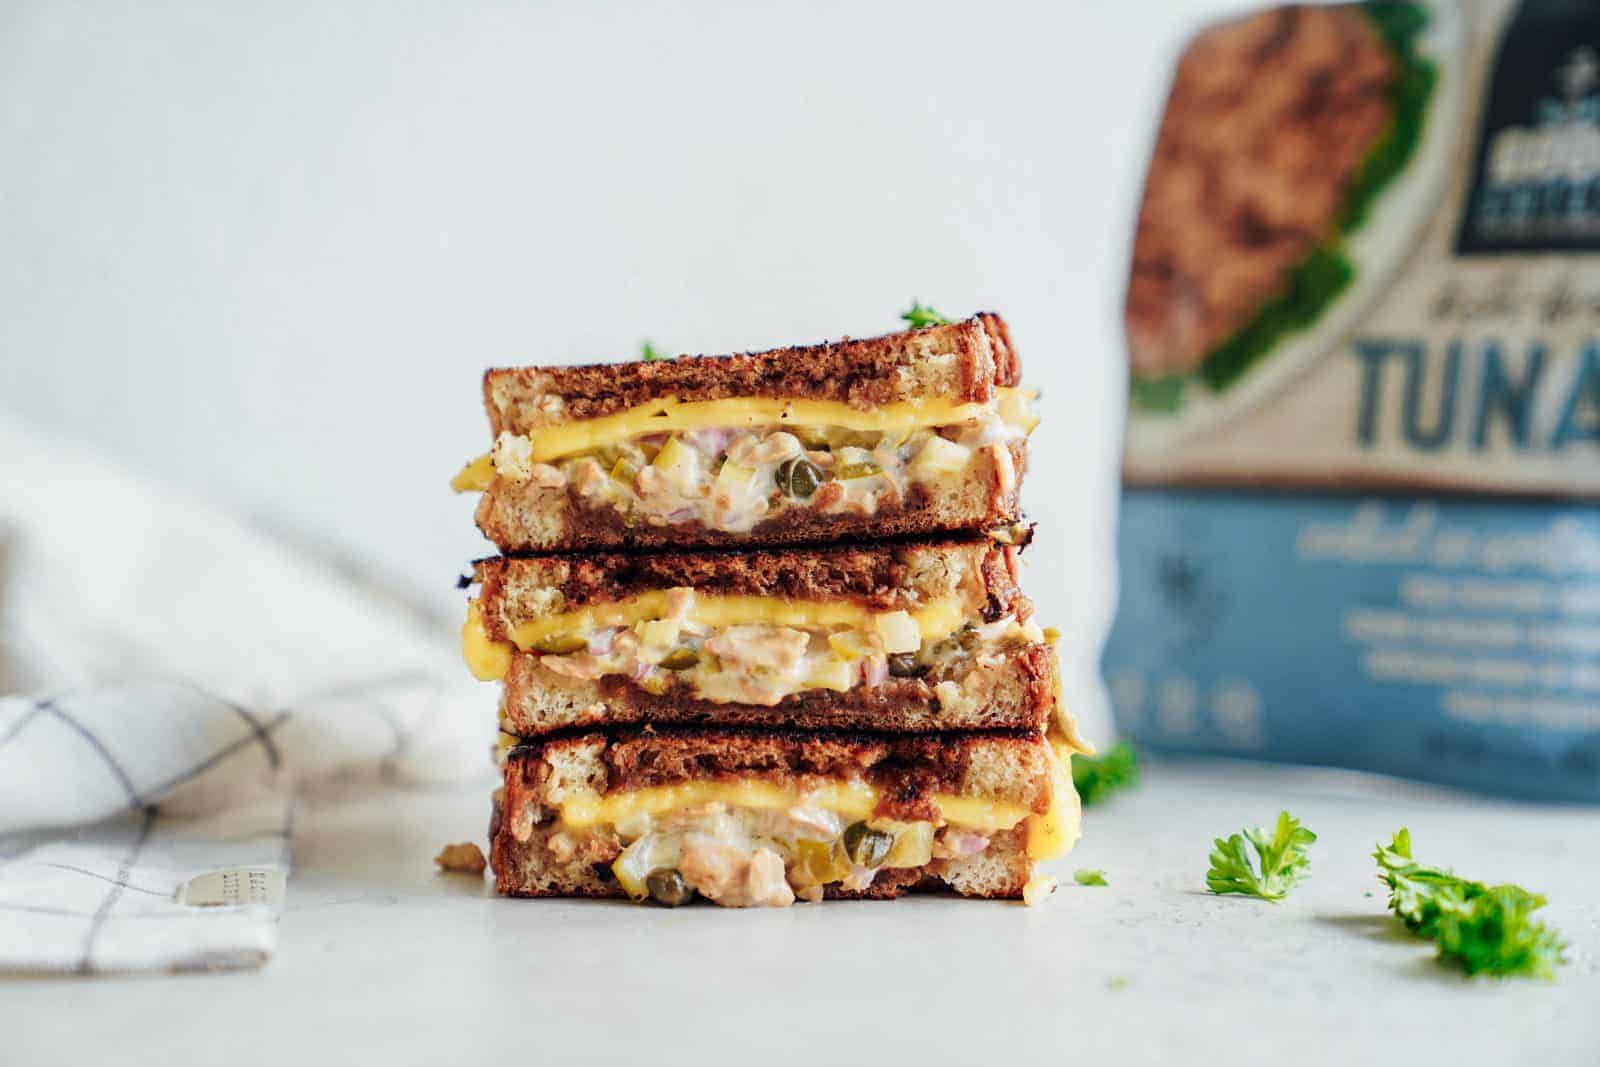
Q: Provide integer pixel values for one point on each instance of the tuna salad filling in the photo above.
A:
(756, 856)
(732, 479)
(762, 664)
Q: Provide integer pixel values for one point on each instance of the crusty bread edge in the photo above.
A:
(987, 358)
(882, 576)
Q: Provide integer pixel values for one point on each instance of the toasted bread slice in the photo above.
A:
(590, 814)
(884, 576)
(578, 459)
(970, 657)
(965, 361)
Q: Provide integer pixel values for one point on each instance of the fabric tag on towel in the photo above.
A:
(234, 887)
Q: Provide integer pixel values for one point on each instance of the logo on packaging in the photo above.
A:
(1536, 186)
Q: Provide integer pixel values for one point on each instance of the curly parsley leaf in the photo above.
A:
(1415, 890)
(1481, 929)
(1097, 777)
(1280, 863)
(1494, 934)
(920, 317)
(651, 354)
(1089, 876)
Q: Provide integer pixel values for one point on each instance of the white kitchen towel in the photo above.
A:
(176, 677)
(147, 891)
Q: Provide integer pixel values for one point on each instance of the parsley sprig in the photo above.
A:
(651, 354)
(1281, 860)
(1097, 777)
(1479, 928)
(921, 317)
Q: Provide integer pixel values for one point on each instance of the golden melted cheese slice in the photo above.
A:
(487, 659)
(1048, 836)
(490, 659)
(938, 620)
(475, 476)
(671, 415)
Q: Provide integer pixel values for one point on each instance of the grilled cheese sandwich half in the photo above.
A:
(915, 432)
(782, 816)
(919, 635)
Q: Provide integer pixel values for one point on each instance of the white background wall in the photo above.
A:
(263, 251)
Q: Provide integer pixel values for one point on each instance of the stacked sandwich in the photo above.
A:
(758, 626)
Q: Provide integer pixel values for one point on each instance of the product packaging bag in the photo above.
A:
(1361, 512)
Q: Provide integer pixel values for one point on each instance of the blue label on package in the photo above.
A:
(1452, 639)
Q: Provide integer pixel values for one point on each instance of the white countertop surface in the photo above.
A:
(383, 960)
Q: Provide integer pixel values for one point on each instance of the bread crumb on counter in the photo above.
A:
(463, 858)
(1038, 888)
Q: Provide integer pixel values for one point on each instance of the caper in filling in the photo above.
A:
(905, 665)
(667, 887)
(968, 638)
(799, 478)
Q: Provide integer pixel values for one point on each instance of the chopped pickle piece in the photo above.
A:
(634, 887)
(913, 845)
(819, 862)
(562, 644)
(839, 437)
(655, 683)
(737, 480)
(865, 468)
(680, 659)
(658, 633)
(813, 437)
(851, 645)
(624, 473)
(865, 846)
(677, 462)
(833, 674)
(633, 867)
